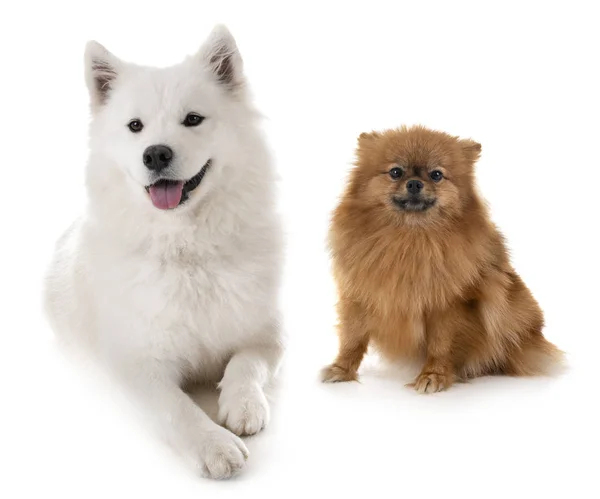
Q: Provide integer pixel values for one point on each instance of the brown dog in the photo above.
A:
(421, 270)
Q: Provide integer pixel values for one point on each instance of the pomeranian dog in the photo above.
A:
(422, 272)
(172, 273)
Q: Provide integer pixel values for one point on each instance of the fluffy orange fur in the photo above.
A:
(424, 273)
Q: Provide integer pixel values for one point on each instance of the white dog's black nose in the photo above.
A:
(158, 157)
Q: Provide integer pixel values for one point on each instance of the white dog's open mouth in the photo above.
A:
(167, 194)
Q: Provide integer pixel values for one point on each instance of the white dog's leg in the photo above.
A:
(215, 451)
(243, 407)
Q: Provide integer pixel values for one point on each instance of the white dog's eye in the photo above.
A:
(192, 119)
(135, 126)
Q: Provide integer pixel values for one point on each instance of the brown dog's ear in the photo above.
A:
(471, 149)
(367, 138)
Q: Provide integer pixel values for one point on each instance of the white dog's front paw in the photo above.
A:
(223, 454)
(244, 411)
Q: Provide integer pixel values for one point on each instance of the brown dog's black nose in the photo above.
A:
(158, 157)
(414, 186)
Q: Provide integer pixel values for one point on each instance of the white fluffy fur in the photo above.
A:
(189, 293)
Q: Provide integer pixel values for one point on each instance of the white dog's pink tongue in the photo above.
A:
(166, 195)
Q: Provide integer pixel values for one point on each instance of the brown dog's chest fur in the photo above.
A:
(399, 274)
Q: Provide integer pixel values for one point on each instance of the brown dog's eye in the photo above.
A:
(395, 173)
(436, 175)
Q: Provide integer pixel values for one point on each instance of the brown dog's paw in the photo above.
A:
(337, 374)
(431, 382)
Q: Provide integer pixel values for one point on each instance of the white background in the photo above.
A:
(519, 78)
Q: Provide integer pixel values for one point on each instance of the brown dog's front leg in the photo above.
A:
(354, 341)
(438, 372)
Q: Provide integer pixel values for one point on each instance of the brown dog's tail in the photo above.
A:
(535, 356)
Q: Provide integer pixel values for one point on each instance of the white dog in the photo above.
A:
(172, 274)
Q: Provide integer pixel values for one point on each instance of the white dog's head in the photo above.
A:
(164, 128)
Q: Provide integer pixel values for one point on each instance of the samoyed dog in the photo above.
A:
(172, 273)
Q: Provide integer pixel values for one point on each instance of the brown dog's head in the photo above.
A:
(415, 173)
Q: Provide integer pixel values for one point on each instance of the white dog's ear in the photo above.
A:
(101, 70)
(221, 55)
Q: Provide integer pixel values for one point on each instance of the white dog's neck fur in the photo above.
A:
(168, 293)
